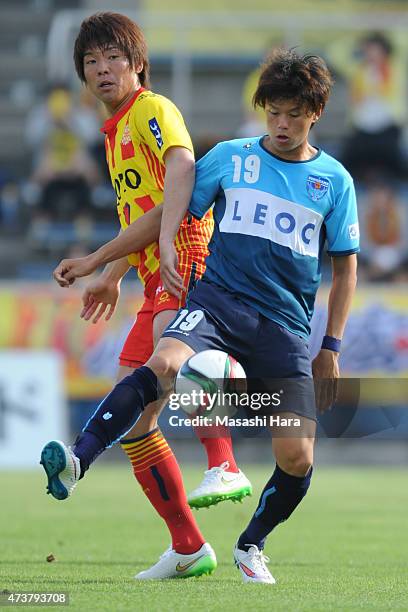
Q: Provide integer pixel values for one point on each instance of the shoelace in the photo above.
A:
(213, 474)
(216, 472)
(73, 464)
(258, 559)
(77, 469)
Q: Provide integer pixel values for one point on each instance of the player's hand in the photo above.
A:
(100, 297)
(325, 368)
(69, 269)
(171, 279)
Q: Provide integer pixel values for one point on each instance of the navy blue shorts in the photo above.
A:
(274, 359)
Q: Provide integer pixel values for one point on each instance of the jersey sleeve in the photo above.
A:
(342, 230)
(207, 183)
(160, 124)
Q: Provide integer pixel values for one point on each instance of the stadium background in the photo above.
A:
(54, 367)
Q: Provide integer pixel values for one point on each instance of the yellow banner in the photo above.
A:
(38, 316)
(41, 316)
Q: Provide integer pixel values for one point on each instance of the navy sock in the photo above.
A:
(116, 415)
(281, 495)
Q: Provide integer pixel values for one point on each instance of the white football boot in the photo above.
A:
(220, 485)
(62, 468)
(252, 565)
(175, 565)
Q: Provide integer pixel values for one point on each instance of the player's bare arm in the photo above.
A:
(325, 366)
(178, 187)
(138, 235)
(103, 292)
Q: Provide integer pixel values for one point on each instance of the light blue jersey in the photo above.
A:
(272, 219)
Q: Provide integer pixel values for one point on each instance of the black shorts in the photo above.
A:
(275, 360)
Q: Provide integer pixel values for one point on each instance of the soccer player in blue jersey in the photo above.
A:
(277, 201)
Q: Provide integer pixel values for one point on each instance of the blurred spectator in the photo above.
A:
(384, 223)
(205, 143)
(60, 134)
(254, 119)
(10, 207)
(10, 204)
(376, 76)
(254, 123)
(94, 115)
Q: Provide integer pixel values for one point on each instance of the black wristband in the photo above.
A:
(331, 344)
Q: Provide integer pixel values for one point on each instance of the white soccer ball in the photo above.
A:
(209, 384)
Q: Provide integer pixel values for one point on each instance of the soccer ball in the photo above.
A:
(209, 384)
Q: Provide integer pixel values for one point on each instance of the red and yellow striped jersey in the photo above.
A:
(136, 139)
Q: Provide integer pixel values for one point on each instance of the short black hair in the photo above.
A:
(285, 75)
(104, 29)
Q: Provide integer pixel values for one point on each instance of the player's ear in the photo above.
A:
(316, 115)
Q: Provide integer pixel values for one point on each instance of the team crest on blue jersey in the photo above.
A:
(317, 187)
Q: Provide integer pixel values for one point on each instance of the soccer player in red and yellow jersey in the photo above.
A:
(150, 158)
(140, 138)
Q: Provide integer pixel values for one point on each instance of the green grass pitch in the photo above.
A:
(346, 547)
